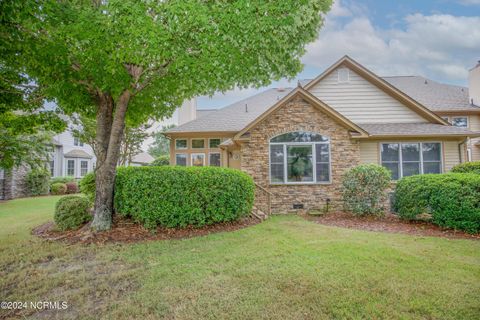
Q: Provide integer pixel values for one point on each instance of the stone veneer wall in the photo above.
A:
(14, 184)
(294, 116)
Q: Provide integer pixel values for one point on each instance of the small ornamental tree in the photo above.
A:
(364, 189)
(137, 59)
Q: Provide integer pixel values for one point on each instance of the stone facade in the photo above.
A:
(14, 183)
(299, 115)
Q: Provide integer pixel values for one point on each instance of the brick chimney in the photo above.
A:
(188, 111)
(474, 85)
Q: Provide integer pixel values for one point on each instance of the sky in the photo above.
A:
(439, 40)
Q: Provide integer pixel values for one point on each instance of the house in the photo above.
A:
(297, 143)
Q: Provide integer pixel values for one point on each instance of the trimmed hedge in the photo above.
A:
(58, 188)
(364, 189)
(453, 199)
(183, 196)
(87, 186)
(71, 212)
(61, 180)
(467, 167)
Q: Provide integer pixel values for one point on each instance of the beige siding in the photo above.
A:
(451, 154)
(369, 152)
(361, 101)
(474, 125)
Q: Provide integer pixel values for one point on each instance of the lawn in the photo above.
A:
(284, 268)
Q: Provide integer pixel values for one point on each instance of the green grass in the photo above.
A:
(284, 268)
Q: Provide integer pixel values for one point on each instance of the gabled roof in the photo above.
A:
(77, 153)
(435, 96)
(236, 116)
(143, 158)
(299, 91)
(381, 84)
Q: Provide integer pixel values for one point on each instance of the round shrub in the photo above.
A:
(38, 181)
(467, 167)
(364, 189)
(452, 199)
(161, 161)
(71, 212)
(183, 196)
(87, 186)
(72, 187)
(58, 188)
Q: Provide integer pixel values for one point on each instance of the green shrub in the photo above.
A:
(87, 186)
(71, 212)
(364, 189)
(58, 188)
(61, 180)
(181, 196)
(453, 199)
(37, 181)
(72, 187)
(467, 167)
(161, 161)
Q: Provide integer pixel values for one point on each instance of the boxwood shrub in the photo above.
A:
(183, 196)
(71, 212)
(58, 188)
(364, 189)
(38, 181)
(453, 199)
(467, 167)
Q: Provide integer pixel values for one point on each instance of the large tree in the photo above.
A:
(121, 59)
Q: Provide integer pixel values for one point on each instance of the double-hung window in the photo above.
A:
(407, 159)
(83, 168)
(299, 157)
(71, 168)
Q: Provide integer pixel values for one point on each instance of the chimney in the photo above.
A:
(474, 85)
(188, 111)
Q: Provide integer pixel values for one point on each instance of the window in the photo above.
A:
(407, 159)
(70, 167)
(213, 143)
(83, 167)
(181, 144)
(299, 157)
(343, 75)
(461, 122)
(52, 168)
(198, 159)
(214, 159)
(198, 143)
(181, 159)
(77, 142)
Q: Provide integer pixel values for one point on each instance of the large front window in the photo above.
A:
(299, 157)
(407, 159)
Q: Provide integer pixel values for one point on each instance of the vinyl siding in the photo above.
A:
(361, 101)
(474, 125)
(369, 152)
(451, 154)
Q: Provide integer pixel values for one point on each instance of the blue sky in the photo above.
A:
(436, 39)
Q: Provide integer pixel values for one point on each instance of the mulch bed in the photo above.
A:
(389, 223)
(126, 231)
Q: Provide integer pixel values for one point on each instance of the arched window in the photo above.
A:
(299, 157)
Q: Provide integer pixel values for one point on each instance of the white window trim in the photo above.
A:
(197, 154)
(74, 167)
(88, 167)
(181, 148)
(400, 169)
(186, 158)
(314, 161)
(214, 139)
(204, 146)
(459, 117)
(214, 153)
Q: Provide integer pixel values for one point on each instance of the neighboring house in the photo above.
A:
(297, 143)
(71, 157)
(141, 159)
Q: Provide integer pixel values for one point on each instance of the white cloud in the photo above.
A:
(442, 47)
(470, 2)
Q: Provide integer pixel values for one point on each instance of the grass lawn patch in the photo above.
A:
(284, 268)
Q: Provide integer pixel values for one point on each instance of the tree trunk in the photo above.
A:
(109, 134)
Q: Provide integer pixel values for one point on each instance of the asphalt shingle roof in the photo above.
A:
(433, 95)
(236, 116)
(412, 129)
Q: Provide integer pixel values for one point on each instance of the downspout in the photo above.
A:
(460, 145)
